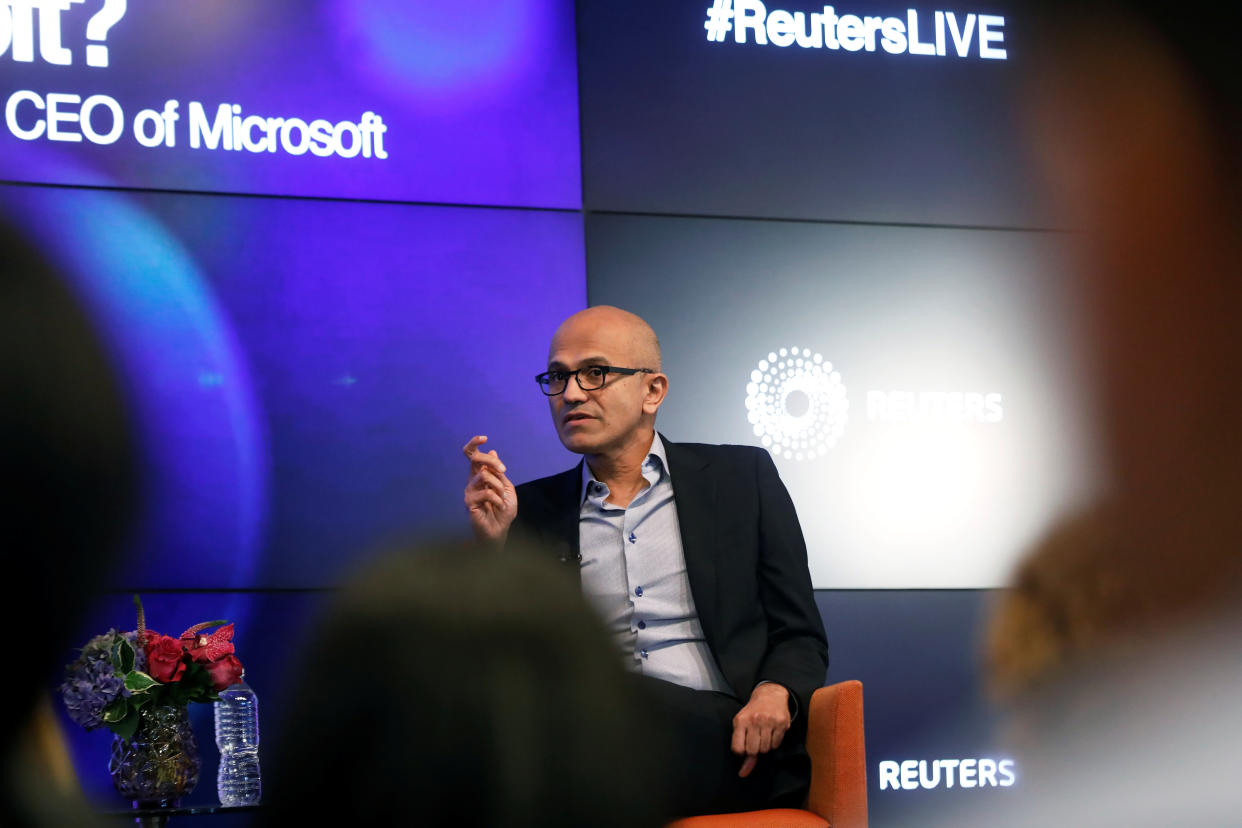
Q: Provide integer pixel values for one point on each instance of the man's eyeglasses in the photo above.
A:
(588, 377)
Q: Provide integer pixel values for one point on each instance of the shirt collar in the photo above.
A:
(656, 459)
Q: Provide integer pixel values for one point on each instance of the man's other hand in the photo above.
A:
(761, 725)
(490, 497)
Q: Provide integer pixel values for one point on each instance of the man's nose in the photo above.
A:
(573, 391)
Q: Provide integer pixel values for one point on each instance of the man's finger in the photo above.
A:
(739, 739)
(469, 448)
(752, 739)
(482, 461)
(482, 458)
(748, 765)
(485, 477)
(481, 491)
(502, 484)
(765, 740)
(482, 497)
(495, 500)
(491, 461)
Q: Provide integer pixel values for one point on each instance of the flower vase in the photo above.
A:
(160, 764)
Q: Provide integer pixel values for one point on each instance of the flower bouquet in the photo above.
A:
(139, 684)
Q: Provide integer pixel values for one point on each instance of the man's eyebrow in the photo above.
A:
(557, 365)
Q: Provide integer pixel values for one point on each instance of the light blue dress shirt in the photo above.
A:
(634, 574)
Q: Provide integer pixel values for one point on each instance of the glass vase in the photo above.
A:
(160, 764)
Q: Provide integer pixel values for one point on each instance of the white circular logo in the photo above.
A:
(796, 403)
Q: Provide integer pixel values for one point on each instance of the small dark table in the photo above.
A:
(158, 817)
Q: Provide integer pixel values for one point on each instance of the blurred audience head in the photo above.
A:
(66, 448)
(1112, 644)
(455, 686)
(1065, 600)
(1115, 647)
(1137, 113)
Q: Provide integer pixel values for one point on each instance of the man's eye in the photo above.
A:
(596, 372)
(558, 376)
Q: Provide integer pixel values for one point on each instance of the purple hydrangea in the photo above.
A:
(90, 686)
(91, 682)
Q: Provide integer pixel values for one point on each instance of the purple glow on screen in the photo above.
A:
(478, 101)
(448, 48)
(190, 392)
(306, 372)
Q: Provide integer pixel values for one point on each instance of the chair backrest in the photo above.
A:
(835, 742)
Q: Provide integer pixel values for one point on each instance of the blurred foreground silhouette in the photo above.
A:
(459, 686)
(1116, 650)
(67, 451)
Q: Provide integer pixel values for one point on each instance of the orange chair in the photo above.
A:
(838, 795)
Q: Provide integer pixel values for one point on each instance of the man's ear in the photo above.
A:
(657, 388)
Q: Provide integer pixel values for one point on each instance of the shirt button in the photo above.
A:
(638, 591)
(643, 653)
(633, 538)
(642, 625)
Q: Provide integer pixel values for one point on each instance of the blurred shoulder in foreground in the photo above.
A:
(453, 685)
(67, 451)
(1117, 648)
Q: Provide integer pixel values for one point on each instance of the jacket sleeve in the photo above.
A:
(797, 647)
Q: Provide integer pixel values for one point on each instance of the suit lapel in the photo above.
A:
(561, 531)
(694, 492)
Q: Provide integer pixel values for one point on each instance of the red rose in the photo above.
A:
(208, 648)
(164, 658)
(224, 673)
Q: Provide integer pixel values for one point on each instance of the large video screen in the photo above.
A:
(303, 374)
(469, 102)
(868, 111)
(917, 387)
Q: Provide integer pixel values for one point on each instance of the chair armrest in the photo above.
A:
(835, 742)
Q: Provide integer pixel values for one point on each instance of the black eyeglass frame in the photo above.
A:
(544, 380)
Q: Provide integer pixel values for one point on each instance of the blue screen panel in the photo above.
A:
(468, 102)
(303, 374)
(866, 111)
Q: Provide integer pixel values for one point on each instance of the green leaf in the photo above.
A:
(197, 676)
(194, 683)
(116, 710)
(126, 662)
(127, 727)
(139, 682)
(204, 694)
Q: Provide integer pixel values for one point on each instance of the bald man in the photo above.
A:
(693, 555)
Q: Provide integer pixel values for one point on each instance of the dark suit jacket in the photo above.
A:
(745, 557)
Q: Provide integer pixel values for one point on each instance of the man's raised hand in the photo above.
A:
(490, 496)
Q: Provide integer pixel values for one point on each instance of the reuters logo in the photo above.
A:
(796, 404)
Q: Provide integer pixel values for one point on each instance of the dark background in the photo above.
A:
(672, 123)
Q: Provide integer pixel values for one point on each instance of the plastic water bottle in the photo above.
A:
(237, 736)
